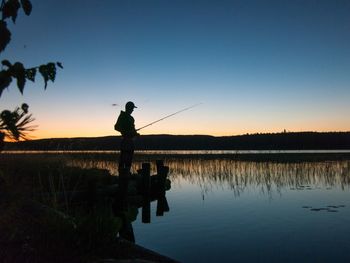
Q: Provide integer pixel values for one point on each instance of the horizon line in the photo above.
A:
(164, 134)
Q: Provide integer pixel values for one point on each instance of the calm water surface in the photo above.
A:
(223, 210)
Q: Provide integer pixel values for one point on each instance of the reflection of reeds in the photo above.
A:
(221, 173)
(267, 177)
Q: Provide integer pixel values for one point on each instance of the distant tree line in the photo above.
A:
(267, 141)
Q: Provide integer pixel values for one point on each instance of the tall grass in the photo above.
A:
(41, 220)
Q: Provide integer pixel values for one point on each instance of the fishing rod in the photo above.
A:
(185, 109)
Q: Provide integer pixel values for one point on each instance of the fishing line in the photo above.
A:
(170, 115)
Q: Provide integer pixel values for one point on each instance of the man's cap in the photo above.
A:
(130, 104)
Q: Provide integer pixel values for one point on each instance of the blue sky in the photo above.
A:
(257, 66)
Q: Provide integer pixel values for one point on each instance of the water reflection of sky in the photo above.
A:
(250, 227)
(234, 211)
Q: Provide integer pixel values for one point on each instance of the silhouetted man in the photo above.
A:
(126, 126)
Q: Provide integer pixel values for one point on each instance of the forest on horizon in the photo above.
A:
(260, 141)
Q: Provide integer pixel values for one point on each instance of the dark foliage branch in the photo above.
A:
(21, 74)
(15, 124)
(9, 10)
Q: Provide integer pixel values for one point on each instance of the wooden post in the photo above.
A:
(162, 173)
(146, 182)
(162, 206)
(160, 165)
(146, 178)
(165, 205)
(146, 210)
(160, 210)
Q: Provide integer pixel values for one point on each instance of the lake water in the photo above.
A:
(224, 210)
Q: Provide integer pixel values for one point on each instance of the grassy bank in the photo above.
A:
(51, 212)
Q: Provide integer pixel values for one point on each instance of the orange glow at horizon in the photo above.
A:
(47, 134)
(99, 122)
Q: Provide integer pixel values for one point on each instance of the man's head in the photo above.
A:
(129, 107)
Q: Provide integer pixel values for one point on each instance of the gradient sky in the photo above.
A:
(257, 66)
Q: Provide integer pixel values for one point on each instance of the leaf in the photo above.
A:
(10, 9)
(25, 107)
(59, 64)
(5, 35)
(30, 74)
(16, 69)
(48, 72)
(52, 71)
(27, 6)
(44, 73)
(5, 80)
(21, 81)
(6, 116)
(6, 63)
(18, 72)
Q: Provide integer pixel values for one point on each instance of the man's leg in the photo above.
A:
(127, 159)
